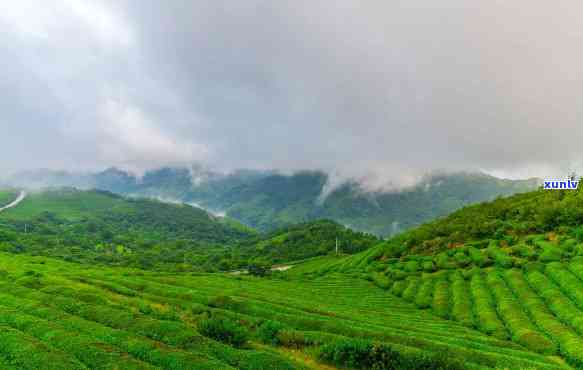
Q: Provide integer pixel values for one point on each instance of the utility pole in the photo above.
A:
(336, 245)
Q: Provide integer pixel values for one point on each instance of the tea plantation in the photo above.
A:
(59, 315)
(448, 295)
(511, 269)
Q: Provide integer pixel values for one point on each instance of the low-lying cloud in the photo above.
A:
(378, 91)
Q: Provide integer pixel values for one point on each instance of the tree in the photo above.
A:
(258, 268)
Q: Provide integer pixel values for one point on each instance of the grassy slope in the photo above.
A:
(67, 204)
(7, 196)
(132, 319)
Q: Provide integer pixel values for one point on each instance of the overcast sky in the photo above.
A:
(388, 89)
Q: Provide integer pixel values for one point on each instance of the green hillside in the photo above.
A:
(273, 201)
(307, 240)
(495, 285)
(61, 316)
(7, 196)
(512, 269)
(100, 227)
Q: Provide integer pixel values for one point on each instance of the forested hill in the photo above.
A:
(266, 200)
(506, 220)
(306, 240)
(98, 226)
(101, 227)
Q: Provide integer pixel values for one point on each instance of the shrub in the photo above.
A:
(224, 330)
(461, 259)
(291, 338)
(477, 257)
(551, 254)
(222, 301)
(268, 330)
(500, 258)
(363, 354)
(568, 245)
(428, 266)
(442, 261)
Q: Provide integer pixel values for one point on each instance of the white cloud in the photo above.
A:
(377, 91)
(126, 132)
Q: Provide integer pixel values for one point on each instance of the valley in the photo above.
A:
(98, 281)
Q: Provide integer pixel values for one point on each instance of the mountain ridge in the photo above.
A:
(268, 200)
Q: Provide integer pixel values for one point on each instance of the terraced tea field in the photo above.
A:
(57, 315)
(535, 303)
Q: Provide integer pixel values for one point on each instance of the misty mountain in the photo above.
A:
(267, 200)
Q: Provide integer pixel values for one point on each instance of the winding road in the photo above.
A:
(15, 202)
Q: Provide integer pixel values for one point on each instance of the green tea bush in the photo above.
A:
(568, 245)
(441, 298)
(534, 266)
(551, 254)
(500, 258)
(461, 309)
(424, 296)
(443, 261)
(516, 320)
(380, 280)
(412, 266)
(570, 344)
(557, 302)
(477, 257)
(411, 291)
(568, 283)
(486, 317)
(399, 287)
(224, 330)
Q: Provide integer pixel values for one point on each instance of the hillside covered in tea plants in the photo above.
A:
(511, 269)
(60, 315)
(495, 285)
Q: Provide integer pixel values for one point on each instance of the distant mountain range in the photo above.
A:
(267, 200)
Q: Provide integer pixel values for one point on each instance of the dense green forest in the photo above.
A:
(267, 201)
(101, 227)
